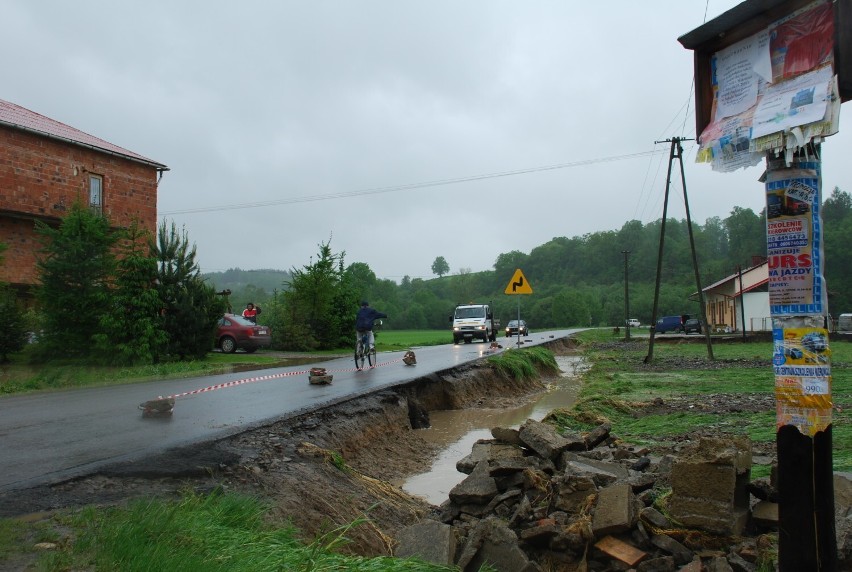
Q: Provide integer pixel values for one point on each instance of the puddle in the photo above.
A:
(456, 431)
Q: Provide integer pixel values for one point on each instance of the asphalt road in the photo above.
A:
(51, 437)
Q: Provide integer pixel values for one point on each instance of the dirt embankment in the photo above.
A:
(320, 470)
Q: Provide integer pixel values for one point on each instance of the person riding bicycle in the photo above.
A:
(364, 322)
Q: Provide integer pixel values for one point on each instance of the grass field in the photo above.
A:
(617, 382)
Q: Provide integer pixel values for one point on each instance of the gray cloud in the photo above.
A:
(276, 102)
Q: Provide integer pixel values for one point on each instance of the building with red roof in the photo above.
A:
(45, 166)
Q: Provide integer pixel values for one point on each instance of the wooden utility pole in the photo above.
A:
(676, 152)
(626, 299)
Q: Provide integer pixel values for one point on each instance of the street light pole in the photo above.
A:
(626, 299)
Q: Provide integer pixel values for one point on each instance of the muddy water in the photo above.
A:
(456, 431)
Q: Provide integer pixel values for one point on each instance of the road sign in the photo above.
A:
(519, 284)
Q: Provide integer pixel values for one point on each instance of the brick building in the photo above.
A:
(45, 166)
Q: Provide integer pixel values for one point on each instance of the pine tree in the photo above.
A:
(75, 268)
(133, 328)
(191, 308)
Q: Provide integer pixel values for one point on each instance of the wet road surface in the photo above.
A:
(50, 437)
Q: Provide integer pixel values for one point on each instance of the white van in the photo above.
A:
(844, 323)
(473, 321)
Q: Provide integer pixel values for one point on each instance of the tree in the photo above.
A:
(132, 327)
(746, 236)
(75, 269)
(836, 207)
(440, 266)
(191, 307)
(15, 334)
(320, 303)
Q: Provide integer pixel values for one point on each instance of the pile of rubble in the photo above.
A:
(536, 500)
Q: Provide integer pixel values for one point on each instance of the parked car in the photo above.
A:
(633, 323)
(670, 324)
(235, 332)
(692, 325)
(513, 327)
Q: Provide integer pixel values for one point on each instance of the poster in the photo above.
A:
(793, 103)
(802, 366)
(772, 91)
(794, 241)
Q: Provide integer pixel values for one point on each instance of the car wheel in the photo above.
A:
(228, 345)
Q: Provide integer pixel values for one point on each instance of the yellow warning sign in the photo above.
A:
(518, 284)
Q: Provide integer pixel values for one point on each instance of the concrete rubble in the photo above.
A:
(535, 500)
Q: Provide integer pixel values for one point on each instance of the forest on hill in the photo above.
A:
(578, 281)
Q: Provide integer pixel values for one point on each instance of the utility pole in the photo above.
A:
(626, 299)
(676, 152)
(742, 299)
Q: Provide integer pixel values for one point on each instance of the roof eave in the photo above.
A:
(158, 166)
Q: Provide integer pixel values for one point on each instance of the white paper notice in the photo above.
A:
(792, 103)
(738, 68)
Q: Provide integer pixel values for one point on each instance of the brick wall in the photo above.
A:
(40, 178)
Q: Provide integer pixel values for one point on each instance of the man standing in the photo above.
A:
(250, 313)
(364, 322)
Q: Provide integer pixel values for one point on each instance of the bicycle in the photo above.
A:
(363, 351)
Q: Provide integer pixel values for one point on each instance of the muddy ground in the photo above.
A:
(327, 469)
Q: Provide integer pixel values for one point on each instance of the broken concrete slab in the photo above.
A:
(429, 540)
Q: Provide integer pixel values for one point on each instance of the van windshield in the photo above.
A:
(473, 312)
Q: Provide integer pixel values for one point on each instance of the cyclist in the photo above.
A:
(364, 322)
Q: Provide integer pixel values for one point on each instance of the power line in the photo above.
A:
(412, 186)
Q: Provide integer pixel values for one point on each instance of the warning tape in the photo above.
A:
(268, 377)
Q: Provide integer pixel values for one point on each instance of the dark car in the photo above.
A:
(670, 324)
(692, 325)
(516, 326)
(235, 332)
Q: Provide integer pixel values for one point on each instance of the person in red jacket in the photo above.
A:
(251, 312)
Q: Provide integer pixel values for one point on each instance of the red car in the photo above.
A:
(235, 332)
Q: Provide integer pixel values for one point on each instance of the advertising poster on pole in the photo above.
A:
(802, 364)
(794, 241)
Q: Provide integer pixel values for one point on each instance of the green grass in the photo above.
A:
(390, 340)
(619, 382)
(524, 363)
(218, 532)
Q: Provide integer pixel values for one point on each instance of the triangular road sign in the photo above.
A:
(519, 284)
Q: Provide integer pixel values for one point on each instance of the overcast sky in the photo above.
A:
(287, 124)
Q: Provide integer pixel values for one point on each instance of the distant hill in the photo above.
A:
(236, 279)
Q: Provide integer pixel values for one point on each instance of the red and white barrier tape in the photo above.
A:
(268, 377)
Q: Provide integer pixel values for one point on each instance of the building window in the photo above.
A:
(96, 193)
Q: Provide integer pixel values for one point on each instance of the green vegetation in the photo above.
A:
(619, 383)
(392, 340)
(579, 281)
(215, 532)
(525, 363)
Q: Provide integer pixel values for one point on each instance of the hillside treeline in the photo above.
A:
(577, 281)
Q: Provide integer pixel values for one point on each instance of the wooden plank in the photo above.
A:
(615, 548)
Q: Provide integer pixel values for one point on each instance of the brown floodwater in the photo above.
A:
(456, 431)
